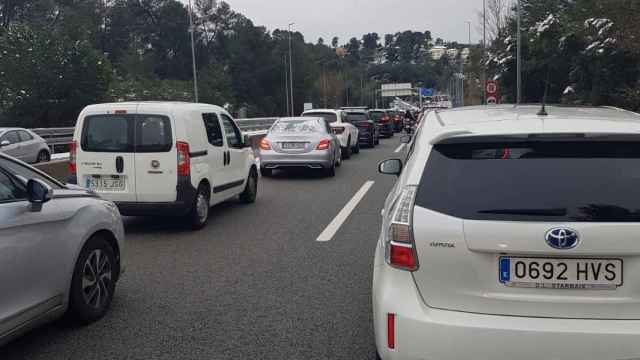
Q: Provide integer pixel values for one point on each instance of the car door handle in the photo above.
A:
(228, 157)
(119, 164)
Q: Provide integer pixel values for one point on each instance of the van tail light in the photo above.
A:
(73, 151)
(323, 145)
(264, 144)
(184, 159)
(400, 244)
(337, 130)
(391, 331)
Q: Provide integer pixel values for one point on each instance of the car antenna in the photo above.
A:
(543, 111)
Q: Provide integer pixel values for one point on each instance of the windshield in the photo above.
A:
(468, 181)
(329, 117)
(127, 133)
(298, 126)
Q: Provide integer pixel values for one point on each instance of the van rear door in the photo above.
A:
(156, 158)
(105, 154)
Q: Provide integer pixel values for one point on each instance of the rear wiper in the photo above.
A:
(530, 212)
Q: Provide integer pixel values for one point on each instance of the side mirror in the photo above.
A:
(390, 167)
(405, 139)
(38, 193)
(246, 140)
(5, 143)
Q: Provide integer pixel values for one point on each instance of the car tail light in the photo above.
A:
(337, 130)
(184, 159)
(400, 245)
(391, 331)
(264, 144)
(323, 145)
(73, 150)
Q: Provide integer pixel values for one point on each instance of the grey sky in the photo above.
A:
(353, 18)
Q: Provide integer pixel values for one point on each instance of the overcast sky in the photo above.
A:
(353, 18)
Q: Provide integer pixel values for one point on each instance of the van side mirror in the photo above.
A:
(5, 143)
(38, 193)
(391, 167)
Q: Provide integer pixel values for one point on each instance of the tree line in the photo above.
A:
(57, 56)
(581, 52)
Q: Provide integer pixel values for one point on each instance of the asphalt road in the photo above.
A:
(254, 284)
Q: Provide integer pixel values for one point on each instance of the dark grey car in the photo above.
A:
(302, 142)
(24, 145)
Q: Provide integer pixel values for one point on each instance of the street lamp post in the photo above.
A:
(484, 51)
(519, 58)
(193, 53)
(291, 70)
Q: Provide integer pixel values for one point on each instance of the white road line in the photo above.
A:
(342, 216)
(400, 148)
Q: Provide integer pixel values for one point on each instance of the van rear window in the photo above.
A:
(585, 181)
(127, 133)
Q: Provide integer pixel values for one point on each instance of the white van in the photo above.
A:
(163, 158)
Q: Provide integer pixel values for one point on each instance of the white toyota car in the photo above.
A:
(512, 234)
(346, 132)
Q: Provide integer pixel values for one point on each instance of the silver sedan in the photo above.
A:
(302, 142)
(24, 145)
(60, 250)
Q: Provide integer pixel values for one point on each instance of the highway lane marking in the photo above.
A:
(342, 216)
(400, 148)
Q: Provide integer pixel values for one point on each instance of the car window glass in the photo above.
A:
(26, 173)
(234, 139)
(298, 126)
(153, 134)
(212, 126)
(108, 133)
(25, 136)
(10, 188)
(329, 117)
(356, 117)
(11, 136)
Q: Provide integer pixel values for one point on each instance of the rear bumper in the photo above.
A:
(178, 208)
(386, 130)
(315, 160)
(432, 334)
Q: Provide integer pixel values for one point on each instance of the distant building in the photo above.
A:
(437, 52)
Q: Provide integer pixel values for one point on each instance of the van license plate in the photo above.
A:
(106, 183)
(556, 273)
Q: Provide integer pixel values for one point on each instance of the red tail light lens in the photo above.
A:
(391, 331)
(402, 256)
(264, 144)
(323, 145)
(184, 159)
(337, 130)
(73, 150)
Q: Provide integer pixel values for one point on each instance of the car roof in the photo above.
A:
(524, 119)
(167, 105)
(313, 111)
(3, 129)
(299, 118)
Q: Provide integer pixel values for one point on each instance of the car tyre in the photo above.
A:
(356, 148)
(346, 152)
(199, 213)
(250, 192)
(43, 156)
(94, 281)
(331, 171)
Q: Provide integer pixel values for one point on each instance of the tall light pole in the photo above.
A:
(286, 84)
(291, 70)
(193, 53)
(484, 51)
(519, 58)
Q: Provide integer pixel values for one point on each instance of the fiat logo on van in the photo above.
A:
(562, 238)
(155, 164)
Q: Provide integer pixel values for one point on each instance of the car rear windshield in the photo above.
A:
(376, 115)
(127, 133)
(584, 181)
(298, 126)
(329, 117)
(356, 117)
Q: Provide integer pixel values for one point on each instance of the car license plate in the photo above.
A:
(556, 273)
(293, 145)
(106, 183)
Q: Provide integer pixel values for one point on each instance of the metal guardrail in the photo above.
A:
(60, 138)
